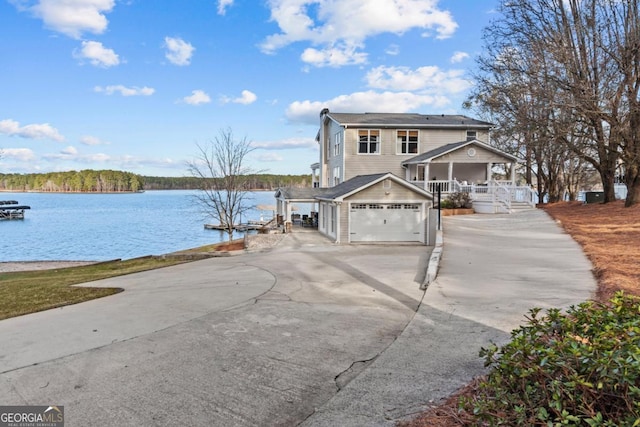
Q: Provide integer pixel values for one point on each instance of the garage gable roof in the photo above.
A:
(360, 182)
(449, 148)
(305, 193)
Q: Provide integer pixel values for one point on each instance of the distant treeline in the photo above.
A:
(110, 181)
(252, 182)
(86, 181)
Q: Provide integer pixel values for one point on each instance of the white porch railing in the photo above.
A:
(504, 193)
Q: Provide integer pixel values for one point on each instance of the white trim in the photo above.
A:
(400, 153)
(369, 142)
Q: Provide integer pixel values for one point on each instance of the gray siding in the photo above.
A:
(334, 161)
(481, 156)
(388, 161)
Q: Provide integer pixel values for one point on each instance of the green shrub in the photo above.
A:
(446, 204)
(581, 368)
(459, 199)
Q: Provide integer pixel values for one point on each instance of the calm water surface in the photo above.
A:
(97, 227)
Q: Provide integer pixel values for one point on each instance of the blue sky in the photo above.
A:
(135, 85)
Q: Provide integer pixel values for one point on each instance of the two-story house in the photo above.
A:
(377, 173)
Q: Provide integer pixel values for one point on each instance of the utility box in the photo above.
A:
(594, 197)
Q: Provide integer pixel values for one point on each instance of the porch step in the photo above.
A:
(520, 206)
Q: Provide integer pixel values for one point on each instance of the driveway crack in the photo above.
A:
(345, 377)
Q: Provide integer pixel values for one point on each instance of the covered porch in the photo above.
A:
(467, 166)
(297, 207)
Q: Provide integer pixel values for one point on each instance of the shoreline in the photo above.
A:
(13, 266)
(256, 242)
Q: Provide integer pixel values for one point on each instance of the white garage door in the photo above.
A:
(385, 222)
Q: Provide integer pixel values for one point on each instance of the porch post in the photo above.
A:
(426, 176)
(489, 171)
(338, 206)
(450, 173)
(513, 173)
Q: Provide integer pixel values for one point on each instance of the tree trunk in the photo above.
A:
(608, 185)
(632, 179)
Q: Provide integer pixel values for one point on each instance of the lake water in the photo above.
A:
(99, 227)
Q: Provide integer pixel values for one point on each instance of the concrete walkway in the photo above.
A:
(307, 333)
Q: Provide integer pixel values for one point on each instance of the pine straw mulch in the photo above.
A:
(610, 237)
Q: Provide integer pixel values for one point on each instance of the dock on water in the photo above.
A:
(248, 226)
(11, 209)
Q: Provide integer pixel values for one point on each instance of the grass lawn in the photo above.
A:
(609, 235)
(27, 292)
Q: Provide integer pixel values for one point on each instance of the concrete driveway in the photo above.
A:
(257, 339)
(494, 269)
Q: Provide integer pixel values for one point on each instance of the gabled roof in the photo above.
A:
(408, 120)
(293, 193)
(361, 182)
(449, 148)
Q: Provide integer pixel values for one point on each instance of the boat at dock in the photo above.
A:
(11, 209)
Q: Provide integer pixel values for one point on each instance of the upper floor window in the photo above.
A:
(407, 142)
(471, 135)
(368, 142)
(337, 142)
(336, 175)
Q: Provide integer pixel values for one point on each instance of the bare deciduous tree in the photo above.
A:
(578, 61)
(223, 172)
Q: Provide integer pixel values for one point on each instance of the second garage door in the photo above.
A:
(386, 222)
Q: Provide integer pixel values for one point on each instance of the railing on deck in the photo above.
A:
(502, 192)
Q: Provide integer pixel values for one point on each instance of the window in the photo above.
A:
(333, 219)
(337, 141)
(368, 142)
(407, 142)
(471, 135)
(336, 175)
(403, 206)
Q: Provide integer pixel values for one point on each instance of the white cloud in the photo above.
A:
(430, 78)
(389, 102)
(97, 54)
(197, 97)
(92, 140)
(20, 154)
(98, 157)
(33, 131)
(179, 52)
(247, 97)
(223, 5)
(269, 157)
(459, 57)
(349, 23)
(286, 144)
(70, 17)
(69, 151)
(125, 91)
(392, 50)
(334, 56)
